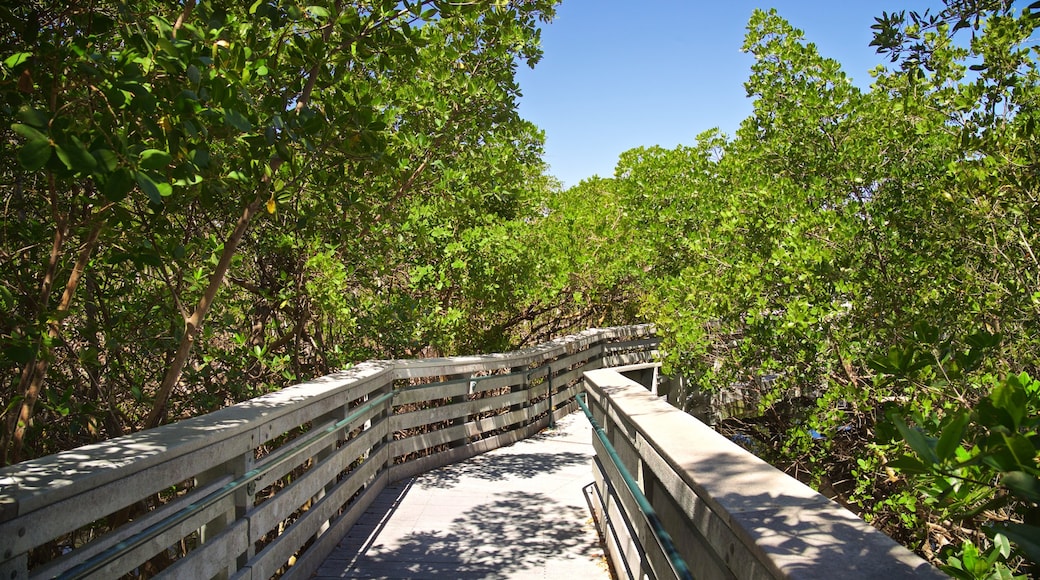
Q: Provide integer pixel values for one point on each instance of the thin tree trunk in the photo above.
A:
(27, 370)
(35, 373)
(102, 385)
(194, 322)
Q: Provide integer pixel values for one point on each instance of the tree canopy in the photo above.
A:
(207, 200)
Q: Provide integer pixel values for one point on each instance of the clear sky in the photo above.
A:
(622, 74)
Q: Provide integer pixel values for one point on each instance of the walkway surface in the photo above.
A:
(515, 512)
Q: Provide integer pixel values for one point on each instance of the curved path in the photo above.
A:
(514, 512)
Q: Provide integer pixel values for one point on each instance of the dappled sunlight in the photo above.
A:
(518, 510)
(490, 469)
(492, 540)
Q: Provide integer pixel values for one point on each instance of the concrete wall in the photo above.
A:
(730, 514)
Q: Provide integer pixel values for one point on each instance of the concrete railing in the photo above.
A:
(730, 514)
(269, 486)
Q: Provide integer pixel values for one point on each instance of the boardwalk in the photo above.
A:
(515, 512)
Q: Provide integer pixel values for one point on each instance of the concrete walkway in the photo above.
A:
(515, 512)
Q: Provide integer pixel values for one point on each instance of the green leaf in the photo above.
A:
(20, 354)
(169, 47)
(1021, 448)
(75, 156)
(33, 117)
(237, 120)
(200, 157)
(154, 190)
(952, 435)
(34, 154)
(908, 464)
(64, 156)
(318, 12)
(1000, 542)
(1023, 485)
(155, 159)
(1025, 537)
(969, 557)
(1011, 397)
(984, 340)
(1000, 460)
(1025, 383)
(17, 59)
(922, 445)
(106, 159)
(117, 184)
(992, 417)
(30, 133)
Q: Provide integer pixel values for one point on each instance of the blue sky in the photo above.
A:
(621, 74)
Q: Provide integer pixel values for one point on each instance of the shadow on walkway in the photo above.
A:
(501, 466)
(495, 540)
(515, 512)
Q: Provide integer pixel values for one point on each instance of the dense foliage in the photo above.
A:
(207, 200)
(862, 264)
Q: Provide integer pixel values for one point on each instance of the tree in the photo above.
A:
(216, 180)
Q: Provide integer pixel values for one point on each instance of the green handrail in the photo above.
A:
(108, 556)
(678, 564)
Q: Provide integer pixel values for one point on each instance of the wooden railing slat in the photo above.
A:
(74, 558)
(278, 552)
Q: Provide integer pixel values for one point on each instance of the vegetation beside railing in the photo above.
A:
(267, 487)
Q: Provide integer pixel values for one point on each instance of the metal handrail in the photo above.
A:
(663, 537)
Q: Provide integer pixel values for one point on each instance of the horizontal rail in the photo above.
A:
(266, 487)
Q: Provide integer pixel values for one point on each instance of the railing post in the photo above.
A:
(549, 389)
(334, 416)
(522, 371)
(13, 566)
(383, 420)
(457, 399)
(243, 502)
(529, 386)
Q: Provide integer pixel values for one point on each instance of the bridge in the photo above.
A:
(352, 475)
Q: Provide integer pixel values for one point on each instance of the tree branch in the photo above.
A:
(193, 323)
